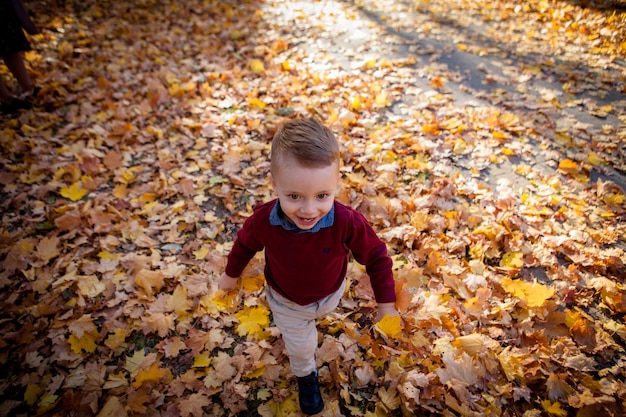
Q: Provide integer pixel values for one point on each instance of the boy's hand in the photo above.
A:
(227, 283)
(386, 309)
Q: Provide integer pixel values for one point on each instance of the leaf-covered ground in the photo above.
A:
(485, 141)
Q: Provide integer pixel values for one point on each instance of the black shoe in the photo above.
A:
(311, 401)
(14, 105)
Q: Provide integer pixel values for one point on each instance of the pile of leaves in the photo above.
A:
(505, 213)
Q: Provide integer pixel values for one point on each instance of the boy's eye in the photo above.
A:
(322, 196)
(293, 196)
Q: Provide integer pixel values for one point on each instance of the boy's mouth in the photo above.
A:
(307, 221)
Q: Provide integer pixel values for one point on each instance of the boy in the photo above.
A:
(307, 237)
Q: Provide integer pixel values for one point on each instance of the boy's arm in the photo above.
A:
(244, 249)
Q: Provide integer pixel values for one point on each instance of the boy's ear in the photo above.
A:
(269, 176)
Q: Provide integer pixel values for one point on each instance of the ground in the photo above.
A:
(485, 142)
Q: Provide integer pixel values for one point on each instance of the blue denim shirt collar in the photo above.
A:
(277, 220)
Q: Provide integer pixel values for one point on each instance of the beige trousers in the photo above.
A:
(297, 325)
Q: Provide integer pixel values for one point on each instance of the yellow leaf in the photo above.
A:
(108, 256)
(201, 253)
(512, 260)
(356, 103)
(553, 408)
(152, 374)
(47, 402)
(252, 284)
(257, 372)
(286, 65)
(453, 123)
(568, 165)
(256, 103)
(382, 100)
(86, 342)
(116, 339)
(594, 159)
(257, 65)
(32, 393)
(461, 46)
(74, 192)
(617, 199)
(221, 301)
(202, 360)
(511, 364)
(391, 326)
(535, 294)
(252, 320)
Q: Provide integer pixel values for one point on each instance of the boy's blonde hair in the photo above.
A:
(308, 141)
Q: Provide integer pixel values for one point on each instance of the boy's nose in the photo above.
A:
(308, 207)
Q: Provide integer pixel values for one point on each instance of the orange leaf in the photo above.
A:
(568, 165)
(150, 281)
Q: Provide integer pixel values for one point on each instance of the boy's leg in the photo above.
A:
(15, 63)
(297, 327)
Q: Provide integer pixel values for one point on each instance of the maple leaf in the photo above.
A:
(389, 398)
(139, 360)
(113, 408)
(178, 302)
(534, 295)
(150, 281)
(192, 405)
(152, 374)
(201, 253)
(202, 360)
(90, 286)
(32, 393)
(252, 283)
(74, 192)
(48, 248)
(252, 320)
(390, 326)
(474, 343)
(137, 399)
(512, 260)
(86, 342)
(553, 408)
(172, 347)
(461, 369)
(432, 307)
(511, 364)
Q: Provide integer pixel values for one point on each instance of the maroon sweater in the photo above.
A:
(306, 267)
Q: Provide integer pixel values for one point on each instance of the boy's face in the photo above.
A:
(306, 194)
